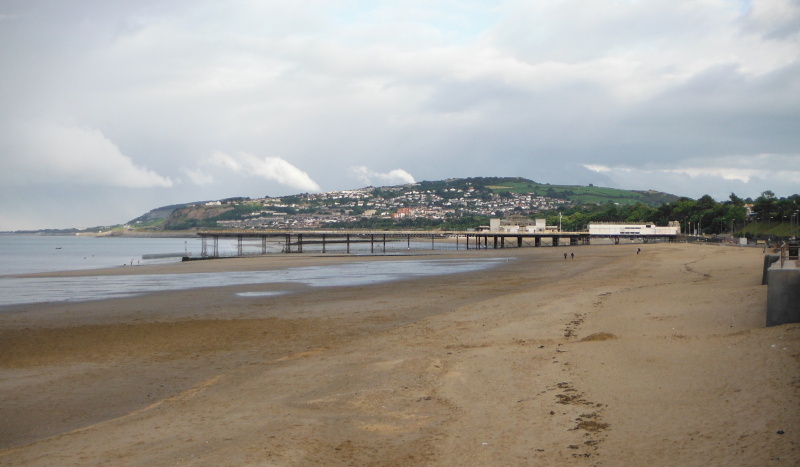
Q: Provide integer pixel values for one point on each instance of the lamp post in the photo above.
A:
(756, 229)
(796, 223)
(782, 216)
(769, 227)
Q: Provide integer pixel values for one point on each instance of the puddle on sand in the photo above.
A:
(261, 294)
(24, 290)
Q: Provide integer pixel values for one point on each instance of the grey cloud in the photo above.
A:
(773, 19)
(536, 89)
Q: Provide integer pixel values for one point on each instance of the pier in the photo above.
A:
(294, 241)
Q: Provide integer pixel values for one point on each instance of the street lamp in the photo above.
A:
(769, 230)
(756, 229)
(796, 223)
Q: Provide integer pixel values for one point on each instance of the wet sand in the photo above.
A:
(608, 359)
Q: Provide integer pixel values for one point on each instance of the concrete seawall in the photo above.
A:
(783, 296)
(768, 261)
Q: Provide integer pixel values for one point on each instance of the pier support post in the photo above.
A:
(288, 248)
(467, 238)
(299, 243)
(502, 242)
(555, 241)
(519, 241)
(238, 245)
(323, 243)
(384, 244)
(216, 246)
(263, 244)
(348, 243)
(537, 241)
(372, 244)
(495, 242)
(431, 241)
(408, 241)
(203, 250)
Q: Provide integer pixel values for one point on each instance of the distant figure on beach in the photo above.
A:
(573, 255)
(638, 250)
(565, 255)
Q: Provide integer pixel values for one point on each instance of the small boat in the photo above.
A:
(58, 248)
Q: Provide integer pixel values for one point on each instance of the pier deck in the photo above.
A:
(292, 241)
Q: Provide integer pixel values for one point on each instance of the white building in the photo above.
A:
(616, 229)
(520, 226)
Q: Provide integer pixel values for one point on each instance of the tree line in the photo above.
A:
(705, 214)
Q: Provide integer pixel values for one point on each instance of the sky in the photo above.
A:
(110, 108)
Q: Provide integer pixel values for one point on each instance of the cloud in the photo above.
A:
(451, 89)
(717, 177)
(775, 19)
(270, 168)
(392, 177)
(198, 177)
(45, 152)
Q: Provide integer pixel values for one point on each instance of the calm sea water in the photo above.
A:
(22, 290)
(23, 254)
(29, 254)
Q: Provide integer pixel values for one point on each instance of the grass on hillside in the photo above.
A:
(778, 229)
(578, 194)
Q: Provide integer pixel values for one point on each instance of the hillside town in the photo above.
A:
(391, 203)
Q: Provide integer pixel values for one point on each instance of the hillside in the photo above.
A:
(585, 194)
(452, 203)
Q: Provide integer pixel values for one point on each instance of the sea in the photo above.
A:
(25, 254)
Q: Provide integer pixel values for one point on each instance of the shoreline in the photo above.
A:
(657, 359)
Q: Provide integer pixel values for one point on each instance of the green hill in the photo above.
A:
(583, 194)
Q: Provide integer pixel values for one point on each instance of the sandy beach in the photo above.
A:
(612, 358)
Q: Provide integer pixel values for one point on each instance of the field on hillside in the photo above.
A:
(586, 194)
(778, 229)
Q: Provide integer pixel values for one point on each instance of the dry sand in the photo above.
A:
(608, 359)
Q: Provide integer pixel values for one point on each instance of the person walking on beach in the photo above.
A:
(565, 255)
(573, 255)
(638, 250)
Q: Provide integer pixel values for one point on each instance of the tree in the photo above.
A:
(735, 200)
